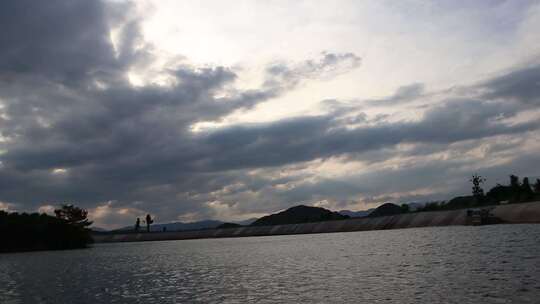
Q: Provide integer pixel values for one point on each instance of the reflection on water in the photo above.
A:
(488, 264)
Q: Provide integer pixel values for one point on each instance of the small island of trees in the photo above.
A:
(68, 229)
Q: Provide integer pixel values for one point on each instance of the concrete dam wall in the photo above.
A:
(513, 213)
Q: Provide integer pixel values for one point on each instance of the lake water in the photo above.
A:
(459, 264)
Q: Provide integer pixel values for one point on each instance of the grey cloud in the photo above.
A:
(402, 95)
(521, 84)
(329, 65)
(425, 180)
(60, 40)
(308, 138)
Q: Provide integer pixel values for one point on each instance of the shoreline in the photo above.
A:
(509, 214)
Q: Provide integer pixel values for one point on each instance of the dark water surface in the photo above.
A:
(489, 264)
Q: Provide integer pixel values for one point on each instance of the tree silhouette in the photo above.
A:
(514, 181)
(73, 215)
(526, 192)
(526, 186)
(477, 190)
(405, 208)
(537, 186)
(149, 221)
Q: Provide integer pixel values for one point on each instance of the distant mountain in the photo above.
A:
(299, 214)
(386, 209)
(228, 225)
(362, 213)
(179, 226)
(247, 222)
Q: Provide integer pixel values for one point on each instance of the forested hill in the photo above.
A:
(299, 214)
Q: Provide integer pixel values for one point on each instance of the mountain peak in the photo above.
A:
(299, 214)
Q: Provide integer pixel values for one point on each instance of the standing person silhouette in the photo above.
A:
(138, 224)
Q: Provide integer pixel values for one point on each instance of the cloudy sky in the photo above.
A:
(225, 110)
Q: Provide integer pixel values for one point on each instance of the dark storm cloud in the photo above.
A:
(522, 85)
(65, 41)
(67, 104)
(307, 138)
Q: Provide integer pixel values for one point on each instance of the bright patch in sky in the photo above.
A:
(439, 45)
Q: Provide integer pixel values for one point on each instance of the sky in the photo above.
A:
(192, 110)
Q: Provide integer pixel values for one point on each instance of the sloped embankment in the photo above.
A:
(514, 213)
